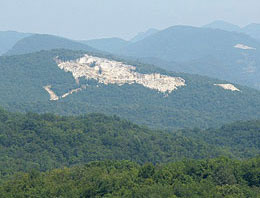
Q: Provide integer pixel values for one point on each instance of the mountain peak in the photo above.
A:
(223, 25)
(253, 30)
(38, 42)
(142, 35)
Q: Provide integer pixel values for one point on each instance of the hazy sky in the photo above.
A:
(86, 19)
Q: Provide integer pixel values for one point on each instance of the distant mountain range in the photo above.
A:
(107, 44)
(217, 50)
(212, 52)
(186, 43)
(220, 50)
(38, 42)
(142, 35)
(223, 25)
(252, 29)
(9, 38)
(113, 45)
(12, 42)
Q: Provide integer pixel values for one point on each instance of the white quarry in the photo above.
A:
(52, 94)
(107, 71)
(228, 87)
(244, 47)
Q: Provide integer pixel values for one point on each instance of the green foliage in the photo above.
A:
(189, 179)
(199, 104)
(240, 138)
(43, 142)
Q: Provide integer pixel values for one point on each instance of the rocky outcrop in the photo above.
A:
(71, 92)
(244, 47)
(52, 94)
(113, 72)
(228, 87)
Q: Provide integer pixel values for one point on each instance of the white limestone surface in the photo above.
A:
(244, 47)
(228, 87)
(113, 72)
(52, 94)
(71, 92)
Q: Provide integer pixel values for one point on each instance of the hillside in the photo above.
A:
(140, 93)
(142, 35)
(9, 38)
(240, 138)
(215, 53)
(44, 142)
(186, 43)
(113, 45)
(194, 179)
(38, 42)
(107, 44)
(252, 29)
(223, 25)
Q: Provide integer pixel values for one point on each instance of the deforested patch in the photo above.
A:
(228, 87)
(107, 71)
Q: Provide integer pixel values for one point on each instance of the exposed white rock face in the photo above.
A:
(52, 94)
(228, 87)
(244, 47)
(112, 72)
(71, 92)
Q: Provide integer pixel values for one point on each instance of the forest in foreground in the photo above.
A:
(216, 178)
(94, 155)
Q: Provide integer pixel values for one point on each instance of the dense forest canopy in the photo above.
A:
(216, 178)
(47, 141)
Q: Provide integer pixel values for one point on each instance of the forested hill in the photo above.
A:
(26, 79)
(241, 138)
(38, 42)
(43, 142)
(9, 38)
(218, 178)
(47, 141)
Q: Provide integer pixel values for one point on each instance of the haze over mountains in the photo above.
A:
(209, 51)
(38, 42)
(220, 50)
(9, 38)
(229, 56)
(163, 96)
(212, 52)
(107, 44)
(35, 82)
(252, 29)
